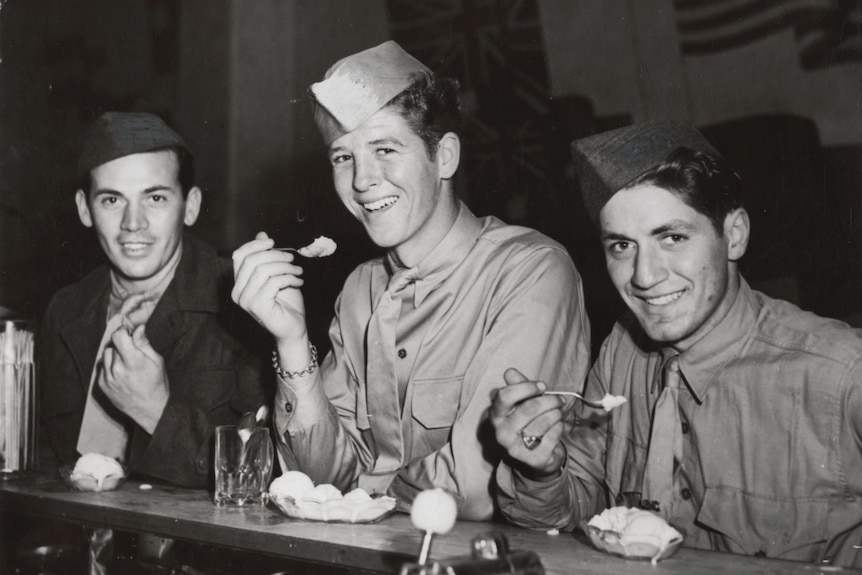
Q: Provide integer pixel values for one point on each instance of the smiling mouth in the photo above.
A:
(134, 247)
(663, 299)
(380, 204)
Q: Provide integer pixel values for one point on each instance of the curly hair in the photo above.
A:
(431, 107)
(705, 183)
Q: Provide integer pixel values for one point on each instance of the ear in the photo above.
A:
(193, 206)
(736, 231)
(448, 154)
(83, 209)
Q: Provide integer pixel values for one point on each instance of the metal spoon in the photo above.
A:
(596, 404)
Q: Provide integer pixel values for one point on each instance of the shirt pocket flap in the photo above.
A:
(773, 527)
(435, 402)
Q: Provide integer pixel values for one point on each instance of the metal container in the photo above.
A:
(18, 419)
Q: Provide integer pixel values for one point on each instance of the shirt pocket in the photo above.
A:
(435, 402)
(773, 527)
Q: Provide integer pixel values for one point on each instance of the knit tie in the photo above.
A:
(382, 382)
(665, 444)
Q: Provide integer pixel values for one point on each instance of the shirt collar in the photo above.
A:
(702, 363)
(451, 251)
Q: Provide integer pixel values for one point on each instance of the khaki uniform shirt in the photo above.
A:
(489, 297)
(771, 417)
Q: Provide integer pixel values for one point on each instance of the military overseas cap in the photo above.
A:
(605, 163)
(357, 86)
(117, 134)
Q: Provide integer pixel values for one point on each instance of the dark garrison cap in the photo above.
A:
(605, 163)
(118, 134)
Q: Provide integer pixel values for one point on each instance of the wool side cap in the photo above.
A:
(117, 134)
(605, 163)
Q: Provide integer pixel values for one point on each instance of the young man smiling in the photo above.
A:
(421, 336)
(743, 425)
(143, 357)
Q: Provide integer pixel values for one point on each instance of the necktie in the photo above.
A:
(102, 429)
(665, 444)
(384, 407)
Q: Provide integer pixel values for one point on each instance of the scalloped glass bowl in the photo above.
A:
(90, 483)
(640, 546)
(336, 510)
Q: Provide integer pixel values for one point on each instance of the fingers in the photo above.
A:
(264, 283)
(513, 376)
(256, 267)
(261, 243)
(520, 410)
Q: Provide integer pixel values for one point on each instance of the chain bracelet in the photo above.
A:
(284, 374)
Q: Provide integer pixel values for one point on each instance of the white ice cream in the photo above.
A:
(96, 466)
(611, 401)
(322, 246)
(293, 484)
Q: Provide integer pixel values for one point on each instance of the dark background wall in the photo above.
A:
(777, 86)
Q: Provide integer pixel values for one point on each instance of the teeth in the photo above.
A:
(664, 300)
(380, 204)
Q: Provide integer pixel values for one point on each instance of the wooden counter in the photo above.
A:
(190, 515)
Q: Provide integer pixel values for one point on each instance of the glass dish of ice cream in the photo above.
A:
(295, 495)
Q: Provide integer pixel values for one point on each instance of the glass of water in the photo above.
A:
(243, 466)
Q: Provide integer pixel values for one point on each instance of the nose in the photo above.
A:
(649, 269)
(134, 218)
(366, 174)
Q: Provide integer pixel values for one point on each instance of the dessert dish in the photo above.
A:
(94, 472)
(295, 495)
(632, 533)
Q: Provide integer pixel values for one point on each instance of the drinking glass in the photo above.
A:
(17, 398)
(243, 465)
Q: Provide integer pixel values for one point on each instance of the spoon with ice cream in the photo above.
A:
(322, 246)
(608, 402)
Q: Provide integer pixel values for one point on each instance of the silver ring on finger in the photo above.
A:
(531, 442)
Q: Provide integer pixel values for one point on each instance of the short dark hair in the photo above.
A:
(704, 182)
(186, 176)
(431, 107)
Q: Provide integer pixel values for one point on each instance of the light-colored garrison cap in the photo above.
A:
(357, 86)
(605, 163)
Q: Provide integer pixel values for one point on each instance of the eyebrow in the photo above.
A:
(151, 189)
(675, 225)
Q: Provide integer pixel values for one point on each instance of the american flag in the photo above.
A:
(828, 32)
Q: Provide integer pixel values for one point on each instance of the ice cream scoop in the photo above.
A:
(434, 511)
(322, 246)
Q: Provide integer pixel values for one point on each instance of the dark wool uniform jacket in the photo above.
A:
(212, 352)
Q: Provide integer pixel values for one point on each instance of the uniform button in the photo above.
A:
(288, 407)
(686, 493)
(402, 353)
(685, 427)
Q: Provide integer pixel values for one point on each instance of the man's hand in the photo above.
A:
(266, 285)
(134, 377)
(520, 410)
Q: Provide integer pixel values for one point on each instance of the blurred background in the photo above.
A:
(776, 85)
